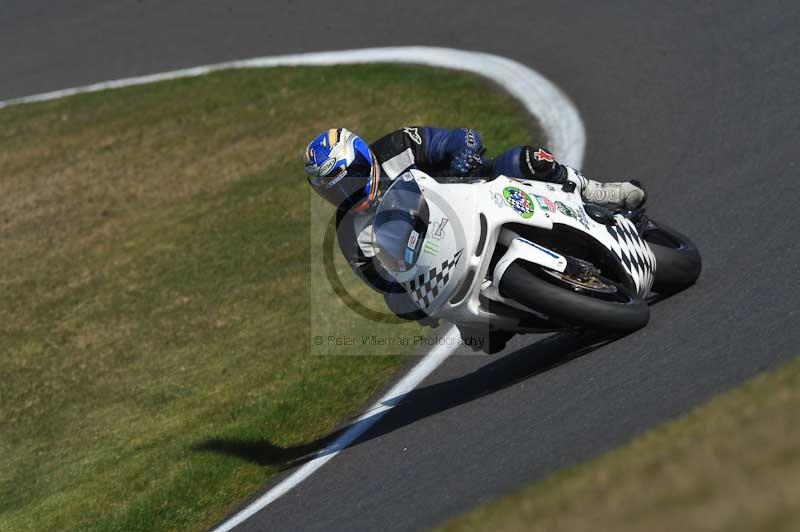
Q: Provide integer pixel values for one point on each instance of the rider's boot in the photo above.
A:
(620, 195)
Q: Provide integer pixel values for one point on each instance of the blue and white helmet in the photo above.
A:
(342, 169)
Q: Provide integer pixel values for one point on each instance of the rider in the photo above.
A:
(352, 175)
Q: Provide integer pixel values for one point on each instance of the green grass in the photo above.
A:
(155, 324)
(730, 465)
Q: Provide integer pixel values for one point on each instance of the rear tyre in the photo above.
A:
(678, 262)
(618, 310)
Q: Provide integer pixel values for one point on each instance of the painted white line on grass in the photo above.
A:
(557, 115)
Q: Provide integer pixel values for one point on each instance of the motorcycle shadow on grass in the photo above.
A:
(519, 365)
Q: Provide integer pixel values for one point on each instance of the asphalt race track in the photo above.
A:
(701, 102)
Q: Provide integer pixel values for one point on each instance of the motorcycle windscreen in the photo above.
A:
(401, 222)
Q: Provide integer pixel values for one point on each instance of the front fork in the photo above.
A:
(520, 248)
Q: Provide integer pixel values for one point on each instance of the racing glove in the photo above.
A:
(466, 162)
(620, 195)
(467, 149)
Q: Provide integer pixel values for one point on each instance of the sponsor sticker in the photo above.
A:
(566, 210)
(545, 203)
(583, 218)
(430, 247)
(439, 228)
(336, 179)
(408, 256)
(326, 167)
(498, 199)
(519, 201)
(412, 240)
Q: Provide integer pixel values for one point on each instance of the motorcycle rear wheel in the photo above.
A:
(620, 312)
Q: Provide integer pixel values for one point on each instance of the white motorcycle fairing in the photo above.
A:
(445, 265)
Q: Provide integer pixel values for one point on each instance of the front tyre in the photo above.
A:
(616, 310)
(678, 262)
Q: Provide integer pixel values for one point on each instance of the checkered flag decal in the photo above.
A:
(424, 289)
(518, 202)
(634, 253)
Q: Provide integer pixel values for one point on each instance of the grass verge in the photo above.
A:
(730, 465)
(154, 326)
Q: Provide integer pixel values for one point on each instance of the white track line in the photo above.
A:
(559, 118)
(396, 394)
(557, 115)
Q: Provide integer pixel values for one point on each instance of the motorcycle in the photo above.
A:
(521, 256)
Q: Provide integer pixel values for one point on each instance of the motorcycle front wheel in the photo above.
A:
(598, 303)
(678, 262)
